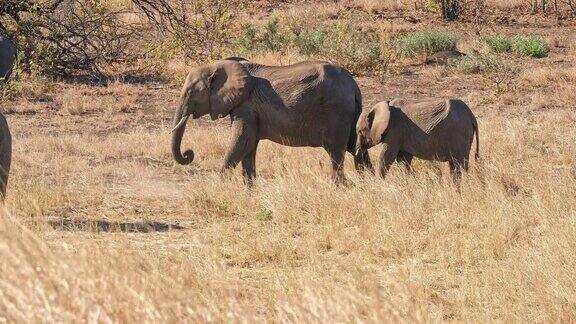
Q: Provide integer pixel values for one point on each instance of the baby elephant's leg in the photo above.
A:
(387, 157)
(456, 168)
(405, 159)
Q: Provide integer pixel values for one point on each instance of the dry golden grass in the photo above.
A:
(295, 248)
(100, 225)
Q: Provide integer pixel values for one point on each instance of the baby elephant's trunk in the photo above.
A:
(358, 145)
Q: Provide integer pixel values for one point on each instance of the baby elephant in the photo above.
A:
(441, 130)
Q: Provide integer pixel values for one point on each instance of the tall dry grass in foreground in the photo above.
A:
(294, 248)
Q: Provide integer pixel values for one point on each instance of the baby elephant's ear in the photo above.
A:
(381, 112)
(363, 125)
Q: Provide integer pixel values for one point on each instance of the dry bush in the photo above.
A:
(501, 72)
(61, 36)
(310, 13)
(200, 29)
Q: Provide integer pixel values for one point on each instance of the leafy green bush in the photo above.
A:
(342, 43)
(426, 41)
(272, 37)
(309, 42)
(34, 85)
(531, 46)
(498, 43)
(247, 40)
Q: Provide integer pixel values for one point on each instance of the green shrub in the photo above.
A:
(247, 40)
(531, 46)
(339, 42)
(308, 42)
(272, 37)
(342, 43)
(426, 41)
(352, 48)
(32, 86)
(498, 43)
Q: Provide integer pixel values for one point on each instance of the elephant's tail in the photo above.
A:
(475, 125)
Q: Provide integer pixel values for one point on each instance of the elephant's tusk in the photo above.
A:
(180, 123)
(357, 151)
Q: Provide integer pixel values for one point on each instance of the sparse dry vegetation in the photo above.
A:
(100, 225)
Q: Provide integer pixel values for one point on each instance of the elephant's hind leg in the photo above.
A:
(337, 159)
(456, 169)
(336, 146)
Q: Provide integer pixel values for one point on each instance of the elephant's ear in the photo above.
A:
(381, 120)
(230, 84)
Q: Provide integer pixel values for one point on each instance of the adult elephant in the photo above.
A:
(5, 154)
(7, 58)
(312, 104)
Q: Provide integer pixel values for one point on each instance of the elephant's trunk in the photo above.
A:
(361, 144)
(177, 134)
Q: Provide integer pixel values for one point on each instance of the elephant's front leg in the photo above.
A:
(362, 161)
(249, 166)
(242, 146)
(387, 157)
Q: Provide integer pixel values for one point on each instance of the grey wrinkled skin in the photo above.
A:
(237, 59)
(7, 58)
(5, 154)
(313, 104)
(440, 130)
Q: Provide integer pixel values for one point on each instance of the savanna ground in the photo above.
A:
(101, 224)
